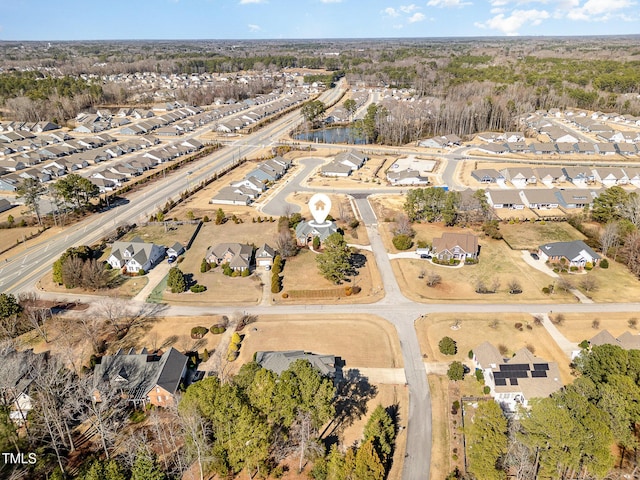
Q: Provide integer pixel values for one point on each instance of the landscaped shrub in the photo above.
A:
(604, 263)
(486, 390)
(206, 219)
(197, 288)
(217, 329)
(479, 375)
(573, 268)
(141, 272)
(518, 326)
(588, 266)
(470, 354)
(198, 332)
(546, 290)
(447, 346)
(137, 416)
(285, 295)
(233, 347)
(205, 355)
(455, 406)
(204, 266)
(402, 241)
(245, 273)
(455, 371)
(316, 243)
(276, 284)
(348, 291)
(235, 338)
(226, 269)
(231, 356)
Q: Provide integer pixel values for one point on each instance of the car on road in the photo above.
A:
(172, 259)
(424, 255)
(535, 256)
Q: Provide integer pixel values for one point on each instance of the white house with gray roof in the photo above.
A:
(575, 254)
(278, 362)
(237, 255)
(135, 255)
(517, 380)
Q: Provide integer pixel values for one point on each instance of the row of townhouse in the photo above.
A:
(37, 127)
(344, 164)
(580, 176)
(247, 190)
(541, 198)
(340, 114)
(569, 147)
(258, 112)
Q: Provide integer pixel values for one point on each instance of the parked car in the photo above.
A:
(424, 255)
(535, 256)
(172, 259)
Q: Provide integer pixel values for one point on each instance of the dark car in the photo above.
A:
(535, 256)
(424, 255)
(172, 259)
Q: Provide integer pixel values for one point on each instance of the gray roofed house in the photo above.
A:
(135, 255)
(505, 199)
(175, 250)
(626, 341)
(579, 176)
(488, 175)
(517, 380)
(543, 148)
(230, 196)
(141, 378)
(540, 198)
(550, 175)
(237, 255)
(459, 246)
(604, 148)
(5, 205)
(278, 362)
(306, 231)
(336, 169)
(574, 198)
(575, 254)
(493, 148)
(265, 255)
(407, 177)
(587, 148)
(520, 177)
(626, 148)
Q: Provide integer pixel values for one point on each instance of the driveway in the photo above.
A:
(154, 277)
(390, 376)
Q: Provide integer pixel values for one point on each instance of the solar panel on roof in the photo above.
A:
(519, 374)
(514, 381)
(539, 374)
(541, 366)
(501, 382)
(515, 366)
(497, 375)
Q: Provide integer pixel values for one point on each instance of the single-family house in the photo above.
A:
(628, 149)
(605, 148)
(135, 255)
(237, 255)
(488, 175)
(175, 250)
(543, 148)
(579, 176)
(626, 341)
(539, 198)
(230, 196)
(335, 169)
(518, 147)
(265, 255)
(515, 381)
(509, 199)
(550, 175)
(492, 148)
(307, 231)
(457, 246)
(610, 176)
(5, 205)
(520, 177)
(633, 174)
(407, 177)
(585, 148)
(574, 198)
(140, 378)
(572, 254)
(278, 362)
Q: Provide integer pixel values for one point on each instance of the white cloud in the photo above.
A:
(246, 2)
(509, 25)
(392, 12)
(331, 1)
(416, 17)
(408, 8)
(447, 3)
(253, 27)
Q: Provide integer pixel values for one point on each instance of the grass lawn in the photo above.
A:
(301, 273)
(496, 261)
(123, 286)
(363, 341)
(579, 326)
(530, 235)
(475, 329)
(166, 235)
(615, 284)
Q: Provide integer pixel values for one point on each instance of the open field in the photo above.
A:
(579, 326)
(530, 235)
(165, 332)
(475, 329)
(496, 262)
(301, 273)
(125, 286)
(387, 207)
(614, 284)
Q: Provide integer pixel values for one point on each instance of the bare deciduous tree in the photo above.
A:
(403, 225)
(286, 244)
(609, 236)
(514, 286)
(589, 284)
(433, 279)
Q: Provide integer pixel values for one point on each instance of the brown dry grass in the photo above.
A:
(166, 235)
(530, 235)
(475, 329)
(496, 261)
(362, 341)
(8, 238)
(301, 273)
(615, 283)
(176, 332)
(126, 286)
(579, 326)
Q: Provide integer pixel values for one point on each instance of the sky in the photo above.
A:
(288, 19)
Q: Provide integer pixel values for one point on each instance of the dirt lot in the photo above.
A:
(364, 177)
(579, 326)
(496, 261)
(530, 235)
(475, 329)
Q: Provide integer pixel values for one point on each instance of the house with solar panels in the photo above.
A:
(515, 381)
